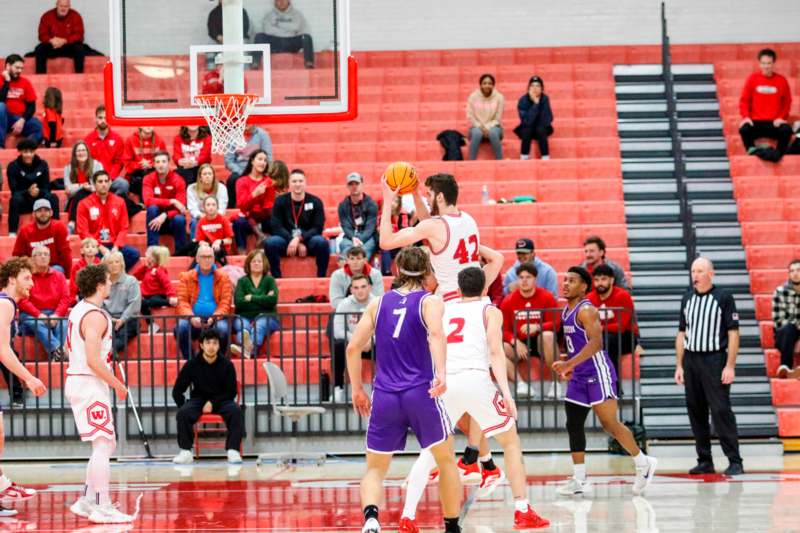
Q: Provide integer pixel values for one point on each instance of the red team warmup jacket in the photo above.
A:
(765, 98)
(108, 151)
(259, 206)
(159, 194)
(95, 216)
(49, 291)
(156, 282)
(210, 230)
(619, 297)
(54, 236)
(515, 302)
(137, 149)
(20, 93)
(199, 149)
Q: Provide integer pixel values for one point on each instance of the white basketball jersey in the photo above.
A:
(460, 251)
(76, 345)
(465, 328)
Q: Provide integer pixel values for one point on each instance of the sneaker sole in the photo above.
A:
(78, 512)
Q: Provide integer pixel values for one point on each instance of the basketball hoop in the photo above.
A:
(226, 115)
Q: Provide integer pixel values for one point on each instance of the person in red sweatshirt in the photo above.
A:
(60, 35)
(255, 196)
(157, 289)
(619, 329)
(215, 229)
(44, 231)
(139, 156)
(42, 314)
(108, 147)
(530, 318)
(191, 148)
(764, 105)
(90, 250)
(104, 217)
(164, 197)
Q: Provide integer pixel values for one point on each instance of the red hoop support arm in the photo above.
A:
(350, 114)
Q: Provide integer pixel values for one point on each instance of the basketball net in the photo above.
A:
(226, 115)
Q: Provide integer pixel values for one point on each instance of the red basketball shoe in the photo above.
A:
(529, 520)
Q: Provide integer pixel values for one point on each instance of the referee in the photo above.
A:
(706, 349)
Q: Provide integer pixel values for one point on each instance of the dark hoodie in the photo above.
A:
(22, 176)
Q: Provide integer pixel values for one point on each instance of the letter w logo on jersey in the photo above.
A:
(98, 415)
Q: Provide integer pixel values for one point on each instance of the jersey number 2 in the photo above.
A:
(455, 336)
(462, 255)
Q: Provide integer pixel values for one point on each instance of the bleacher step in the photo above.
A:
(702, 109)
(709, 188)
(718, 233)
(654, 235)
(639, 91)
(700, 128)
(633, 169)
(654, 189)
(658, 259)
(699, 89)
(718, 210)
(710, 169)
(642, 109)
(652, 211)
(639, 129)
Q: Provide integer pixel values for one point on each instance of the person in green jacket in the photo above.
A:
(256, 298)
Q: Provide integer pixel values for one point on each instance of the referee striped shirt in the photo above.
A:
(706, 319)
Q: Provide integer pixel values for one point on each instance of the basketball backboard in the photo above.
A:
(163, 56)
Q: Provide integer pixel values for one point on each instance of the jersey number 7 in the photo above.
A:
(462, 255)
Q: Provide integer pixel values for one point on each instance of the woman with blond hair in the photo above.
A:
(256, 300)
(196, 193)
(124, 303)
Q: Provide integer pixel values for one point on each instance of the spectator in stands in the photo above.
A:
(529, 321)
(358, 217)
(42, 313)
(44, 231)
(619, 331)
(104, 217)
(536, 119)
(164, 197)
(348, 312)
(341, 279)
(204, 298)
(764, 105)
(108, 148)
(214, 24)
(90, 251)
(207, 185)
(212, 379)
(485, 116)
(77, 178)
(215, 230)
(594, 254)
(53, 118)
(191, 148)
(236, 161)
(298, 219)
(786, 320)
(256, 300)
(18, 103)
(286, 30)
(124, 302)
(60, 35)
(157, 288)
(526, 253)
(29, 180)
(255, 196)
(139, 156)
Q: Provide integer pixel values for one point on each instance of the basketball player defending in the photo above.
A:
(592, 382)
(88, 377)
(409, 379)
(474, 330)
(454, 241)
(16, 280)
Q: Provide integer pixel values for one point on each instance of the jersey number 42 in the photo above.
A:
(462, 255)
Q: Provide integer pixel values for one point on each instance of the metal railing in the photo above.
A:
(303, 347)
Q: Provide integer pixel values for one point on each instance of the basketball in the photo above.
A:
(403, 175)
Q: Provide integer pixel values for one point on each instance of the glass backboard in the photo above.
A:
(294, 56)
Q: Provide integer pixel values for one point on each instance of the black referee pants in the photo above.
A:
(702, 375)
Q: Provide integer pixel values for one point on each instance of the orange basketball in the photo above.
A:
(401, 174)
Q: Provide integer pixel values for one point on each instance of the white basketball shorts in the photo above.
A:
(472, 392)
(90, 399)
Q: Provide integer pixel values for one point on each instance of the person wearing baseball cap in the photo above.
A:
(358, 216)
(44, 230)
(526, 253)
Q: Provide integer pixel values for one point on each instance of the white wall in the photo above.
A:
(424, 24)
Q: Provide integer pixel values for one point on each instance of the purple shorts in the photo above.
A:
(593, 388)
(394, 412)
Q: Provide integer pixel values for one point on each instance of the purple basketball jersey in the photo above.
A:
(599, 365)
(403, 357)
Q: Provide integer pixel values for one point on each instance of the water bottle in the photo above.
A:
(376, 262)
(485, 195)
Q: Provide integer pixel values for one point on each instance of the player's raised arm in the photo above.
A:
(494, 264)
(420, 208)
(7, 356)
(93, 328)
(406, 236)
(360, 339)
(589, 319)
(497, 357)
(432, 313)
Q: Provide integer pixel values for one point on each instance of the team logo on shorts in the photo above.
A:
(99, 417)
(499, 404)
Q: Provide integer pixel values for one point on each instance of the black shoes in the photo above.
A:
(734, 469)
(703, 467)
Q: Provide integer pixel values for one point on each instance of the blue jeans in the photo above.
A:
(318, 247)
(260, 328)
(32, 128)
(51, 337)
(495, 137)
(175, 226)
(185, 332)
(369, 246)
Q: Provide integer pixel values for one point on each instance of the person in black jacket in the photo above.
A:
(29, 180)
(214, 24)
(298, 219)
(358, 216)
(536, 119)
(212, 377)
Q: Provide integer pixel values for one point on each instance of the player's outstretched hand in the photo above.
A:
(36, 386)
(562, 368)
(438, 387)
(361, 403)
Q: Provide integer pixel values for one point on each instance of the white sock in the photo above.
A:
(579, 471)
(99, 470)
(641, 459)
(417, 481)
(4, 482)
(521, 505)
(545, 157)
(524, 157)
(485, 458)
